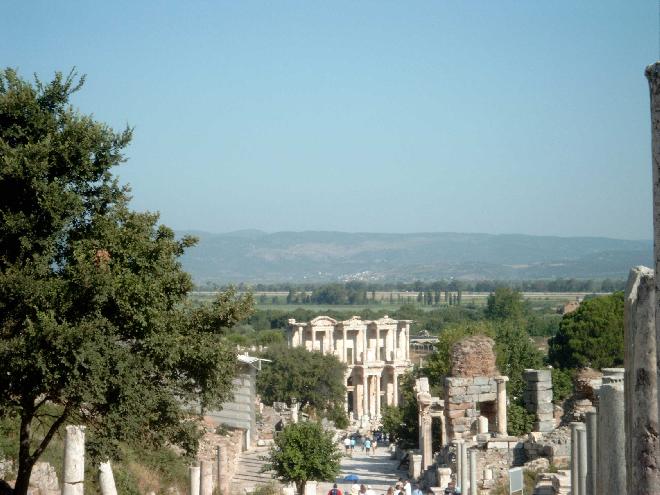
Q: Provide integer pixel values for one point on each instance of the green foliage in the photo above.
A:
(505, 303)
(562, 384)
(304, 451)
(93, 313)
(519, 420)
(401, 422)
(543, 325)
(310, 377)
(591, 336)
(515, 352)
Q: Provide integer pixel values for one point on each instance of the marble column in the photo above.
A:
(591, 419)
(206, 478)
(425, 430)
(464, 468)
(194, 480)
(582, 459)
(344, 346)
(611, 434)
(74, 461)
(459, 442)
(443, 431)
(377, 381)
(575, 456)
(106, 479)
(501, 405)
(365, 394)
(395, 394)
(364, 345)
(640, 384)
(473, 472)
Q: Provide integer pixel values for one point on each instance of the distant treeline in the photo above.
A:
(371, 288)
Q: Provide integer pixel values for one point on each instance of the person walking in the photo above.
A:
(347, 445)
(416, 490)
(367, 447)
(374, 445)
(335, 490)
(407, 488)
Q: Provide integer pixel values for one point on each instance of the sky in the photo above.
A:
(365, 116)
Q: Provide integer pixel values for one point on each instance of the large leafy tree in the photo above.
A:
(312, 378)
(590, 336)
(94, 327)
(303, 452)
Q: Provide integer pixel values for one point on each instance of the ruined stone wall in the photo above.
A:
(538, 398)
(463, 396)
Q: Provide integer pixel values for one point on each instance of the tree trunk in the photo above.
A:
(300, 486)
(25, 460)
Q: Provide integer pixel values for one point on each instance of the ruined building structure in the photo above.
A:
(376, 354)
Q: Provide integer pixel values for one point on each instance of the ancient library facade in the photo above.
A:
(376, 353)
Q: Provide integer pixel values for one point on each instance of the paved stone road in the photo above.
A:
(378, 470)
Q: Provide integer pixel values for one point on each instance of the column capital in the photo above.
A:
(501, 379)
(577, 425)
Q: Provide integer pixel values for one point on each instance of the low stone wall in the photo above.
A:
(466, 398)
(555, 446)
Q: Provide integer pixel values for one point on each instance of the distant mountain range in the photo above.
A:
(253, 256)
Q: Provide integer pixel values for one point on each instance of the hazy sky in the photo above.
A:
(491, 116)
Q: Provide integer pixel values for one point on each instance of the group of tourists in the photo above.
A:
(368, 445)
(402, 487)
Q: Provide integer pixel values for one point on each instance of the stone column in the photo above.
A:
(425, 435)
(575, 456)
(582, 459)
(473, 472)
(501, 405)
(377, 380)
(223, 479)
(459, 460)
(206, 478)
(344, 346)
(653, 75)
(640, 388)
(591, 418)
(365, 393)
(443, 431)
(464, 468)
(218, 469)
(365, 342)
(194, 480)
(74, 461)
(106, 479)
(395, 383)
(444, 477)
(611, 435)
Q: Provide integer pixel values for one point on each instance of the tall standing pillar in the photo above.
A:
(194, 480)
(459, 442)
(575, 456)
(74, 461)
(611, 435)
(365, 393)
(206, 478)
(343, 347)
(640, 384)
(473, 472)
(377, 380)
(582, 460)
(591, 419)
(395, 393)
(464, 468)
(653, 76)
(501, 405)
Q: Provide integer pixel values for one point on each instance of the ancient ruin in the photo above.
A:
(376, 354)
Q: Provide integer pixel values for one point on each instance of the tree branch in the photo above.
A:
(49, 435)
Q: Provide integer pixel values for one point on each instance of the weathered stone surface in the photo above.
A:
(457, 391)
(544, 426)
(641, 405)
(481, 380)
(74, 461)
(473, 356)
(532, 386)
(611, 440)
(487, 397)
(545, 408)
(537, 375)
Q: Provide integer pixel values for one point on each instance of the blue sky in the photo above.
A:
(469, 116)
